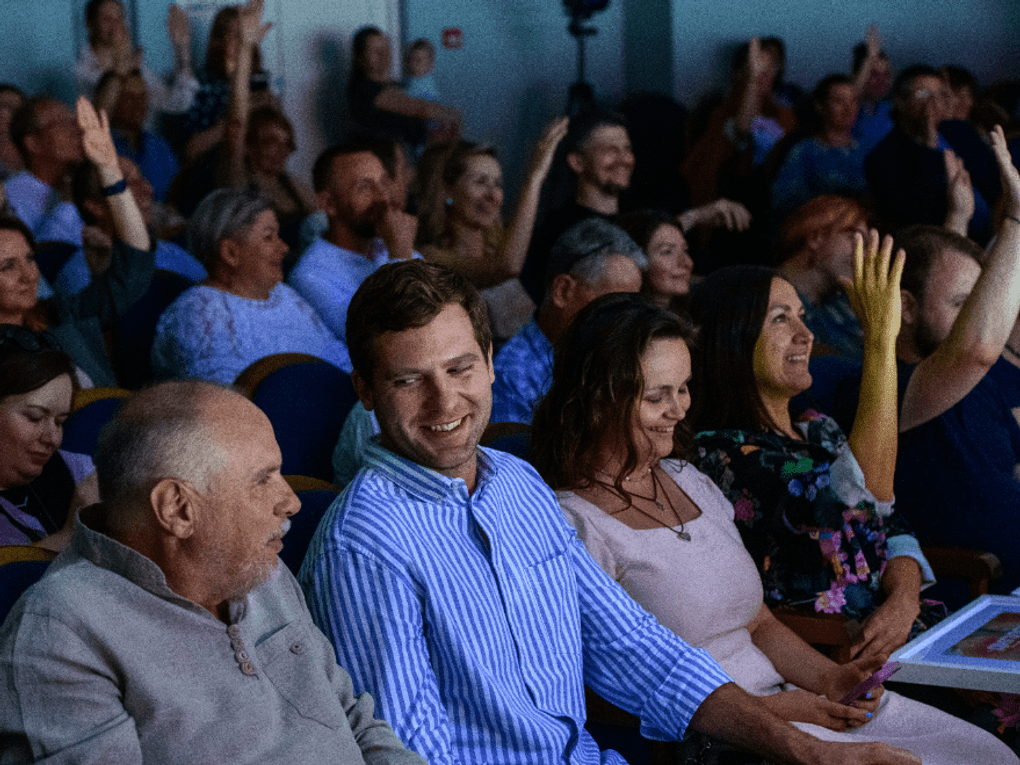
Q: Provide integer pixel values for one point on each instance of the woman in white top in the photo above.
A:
(243, 311)
(607, 436)
(110, 49)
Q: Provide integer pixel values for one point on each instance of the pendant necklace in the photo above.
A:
(654, 499)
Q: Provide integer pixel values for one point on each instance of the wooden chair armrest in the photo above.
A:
(976, 567)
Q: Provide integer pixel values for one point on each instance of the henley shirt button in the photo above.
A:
(234, 631)
(248, 669)
(297, 648)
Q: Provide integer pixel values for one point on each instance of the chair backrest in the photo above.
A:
(314, 504)
(92, 408)
(51, 256)
(136, 328)
(15, 578)
(307, 400)
(511, 437)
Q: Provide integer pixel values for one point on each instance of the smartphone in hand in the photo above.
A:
(887, 671)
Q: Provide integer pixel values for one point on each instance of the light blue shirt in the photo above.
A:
(327, 277)
(523, 369)
(43, 210)
(477, 619)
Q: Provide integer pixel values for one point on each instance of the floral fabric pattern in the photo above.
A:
(817, 535)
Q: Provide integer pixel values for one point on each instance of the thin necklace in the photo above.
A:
(684, 535)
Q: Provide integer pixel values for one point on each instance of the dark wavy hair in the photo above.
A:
(597, 383)
(729, 308)
(216, 49)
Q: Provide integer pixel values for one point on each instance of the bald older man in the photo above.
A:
(167, 631)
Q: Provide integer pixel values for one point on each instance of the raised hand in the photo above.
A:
(96, 139)
(546, 147)
(757, 60)
(178, 27)
(722, 213)
(873, 41)
(252, 30)
(959, 194)
(875, 290)
(1007, 172)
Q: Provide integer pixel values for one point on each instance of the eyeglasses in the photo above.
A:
(25, 339)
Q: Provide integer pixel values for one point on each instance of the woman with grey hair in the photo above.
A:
(243, 311)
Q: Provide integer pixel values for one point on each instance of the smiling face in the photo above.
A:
(258, 257)
(666, 370)
(783, 348)
(58, 138)
(358, 192)
(669, 264)
(19, 277)
(270, 148)
(477, 197)
(606, 161)
(432, 393)
(247, 507)
(31, 429)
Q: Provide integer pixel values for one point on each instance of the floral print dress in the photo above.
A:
(818, 536)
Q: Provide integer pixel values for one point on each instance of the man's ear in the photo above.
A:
(326, 204)
(363, 389)
(562, 290)
(909, 309)
(575, 162)
(174, 506)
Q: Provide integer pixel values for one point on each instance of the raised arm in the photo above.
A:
(231, 170)
(127, 218)
(178, 29)
(393, 99)
(750, 99)
(873, 43)
(875, 297)
(980, 331)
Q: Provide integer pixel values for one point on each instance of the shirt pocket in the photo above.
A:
(292, 662)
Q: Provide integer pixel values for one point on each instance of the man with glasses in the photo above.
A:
(910, 170)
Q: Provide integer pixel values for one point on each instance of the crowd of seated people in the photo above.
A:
(852, 250)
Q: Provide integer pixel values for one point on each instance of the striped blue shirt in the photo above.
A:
(476, 620)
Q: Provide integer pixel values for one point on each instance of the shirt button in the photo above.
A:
(297, 648)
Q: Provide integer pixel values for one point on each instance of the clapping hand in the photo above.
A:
(1007, 172)
(252, 30)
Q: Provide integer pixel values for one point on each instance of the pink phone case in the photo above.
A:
(887, 671)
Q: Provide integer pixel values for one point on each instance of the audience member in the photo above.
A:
(182, 636)
(610, 437)
(379, 107)
(816, 249)
(963, 88)
(364, 232)
(486, 616)
(598, 153)
(78, 322)
(206, 122)
(955, 477)
(11, 97)
(829, 162)
(907, 171)
(872, 81)
(126, 99)
(592, 258)
(48, 139)
(658, 234)
(243, 311)
(460, 224)
(87, 189)
(741, 131)
(109, 50)
(41, 486)
(814, 506)
(420, 71)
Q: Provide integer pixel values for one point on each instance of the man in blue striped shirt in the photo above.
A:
(457, 594)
